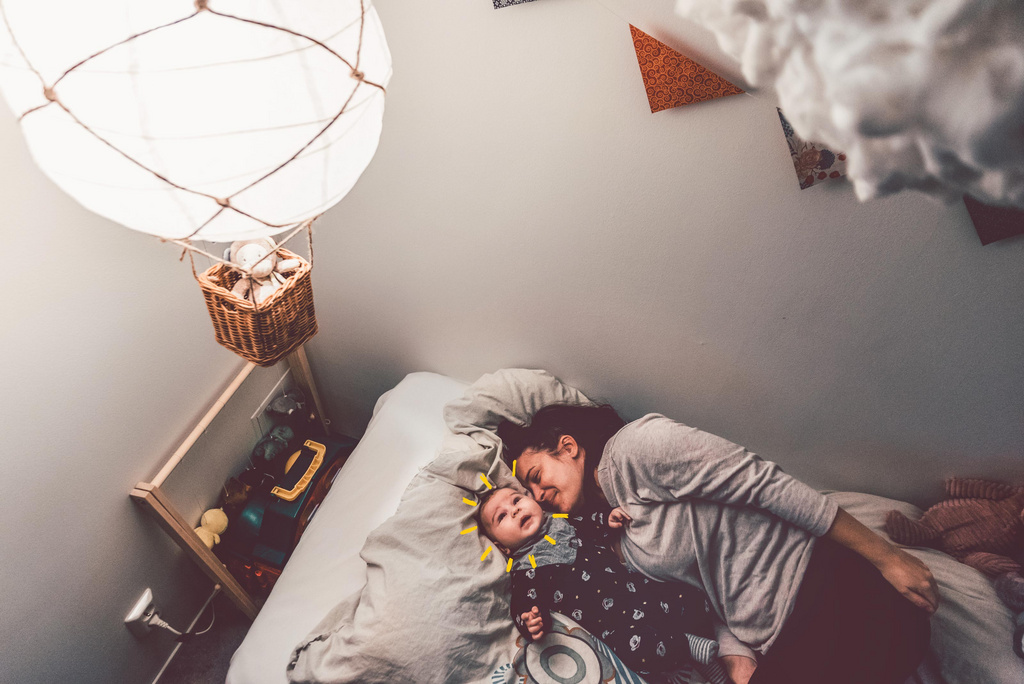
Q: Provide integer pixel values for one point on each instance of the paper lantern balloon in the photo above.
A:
(920, 94)
(217, 120)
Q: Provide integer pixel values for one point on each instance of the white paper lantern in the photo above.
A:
(921, 94)
(217, 120)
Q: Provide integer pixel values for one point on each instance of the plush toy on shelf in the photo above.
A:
(270, 452)
(213, 524)
(267, 273)
(233, 496)
(289, 408)
(981, 524)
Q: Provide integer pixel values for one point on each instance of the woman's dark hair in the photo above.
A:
(590, 426)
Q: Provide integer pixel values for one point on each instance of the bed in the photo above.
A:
(383, 587)
(403, 436)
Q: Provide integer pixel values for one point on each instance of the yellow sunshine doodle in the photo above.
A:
(533, 562)
(508, 567)
(513, 468)
(559, 515)
(468, 501)
(550, 539)
(484, 478)
(468, 529)
(486, 552)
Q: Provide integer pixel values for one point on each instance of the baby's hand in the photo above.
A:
(534, 623)
(618, 518)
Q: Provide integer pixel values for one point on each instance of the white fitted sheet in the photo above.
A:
(403, 436)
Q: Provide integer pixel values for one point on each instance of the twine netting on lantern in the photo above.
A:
(213, 120)
(207, 126)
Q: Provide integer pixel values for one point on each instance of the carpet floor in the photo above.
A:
(204, 660)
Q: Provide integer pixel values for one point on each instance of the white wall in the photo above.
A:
(524, 209)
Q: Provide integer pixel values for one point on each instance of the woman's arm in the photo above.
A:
(910, 576)
(659, 460)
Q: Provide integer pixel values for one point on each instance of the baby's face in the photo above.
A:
(510, 518)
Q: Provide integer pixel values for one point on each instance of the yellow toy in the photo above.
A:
(213, 524)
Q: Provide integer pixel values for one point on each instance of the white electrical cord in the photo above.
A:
(213, 617)
(157, 621)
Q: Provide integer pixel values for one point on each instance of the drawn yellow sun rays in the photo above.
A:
(487, 552)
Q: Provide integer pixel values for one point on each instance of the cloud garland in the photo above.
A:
(920, 94)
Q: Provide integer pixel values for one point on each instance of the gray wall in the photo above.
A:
(524, 209)
(108, 362)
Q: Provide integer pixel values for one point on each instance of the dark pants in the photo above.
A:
(848, 626)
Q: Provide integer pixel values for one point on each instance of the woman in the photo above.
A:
(820, 597)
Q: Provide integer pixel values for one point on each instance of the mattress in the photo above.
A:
(403, 436)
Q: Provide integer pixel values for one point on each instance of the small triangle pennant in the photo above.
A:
(673, 79)
(994, 223)
(814, 163)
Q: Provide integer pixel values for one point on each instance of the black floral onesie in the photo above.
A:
(649, 625)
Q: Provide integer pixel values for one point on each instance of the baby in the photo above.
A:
(567, 565)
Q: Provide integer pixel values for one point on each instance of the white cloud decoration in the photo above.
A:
(921, 94)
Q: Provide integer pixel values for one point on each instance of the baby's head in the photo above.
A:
(510, 518)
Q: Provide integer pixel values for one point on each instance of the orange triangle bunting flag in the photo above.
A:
(673, 79)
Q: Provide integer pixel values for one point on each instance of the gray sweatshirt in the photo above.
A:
(708, 512)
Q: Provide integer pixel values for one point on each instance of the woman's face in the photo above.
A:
(554, 477)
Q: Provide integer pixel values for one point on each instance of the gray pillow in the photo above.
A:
(432, 609)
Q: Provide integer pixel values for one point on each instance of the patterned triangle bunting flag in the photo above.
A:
(814, 163)
(498, 4)
(672, 79)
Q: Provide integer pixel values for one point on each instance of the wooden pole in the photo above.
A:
(303, 376)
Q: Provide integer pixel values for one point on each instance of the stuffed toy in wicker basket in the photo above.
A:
(264, 332)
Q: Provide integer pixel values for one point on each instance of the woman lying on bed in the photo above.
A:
(795, 577)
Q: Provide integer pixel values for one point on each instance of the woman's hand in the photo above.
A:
(618, 518)
(534, 623)
(912, 578)
(739, 668)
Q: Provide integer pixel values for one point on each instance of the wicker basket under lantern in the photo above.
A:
(267, 332)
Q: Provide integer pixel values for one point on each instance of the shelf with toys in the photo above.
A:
(251, 525)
